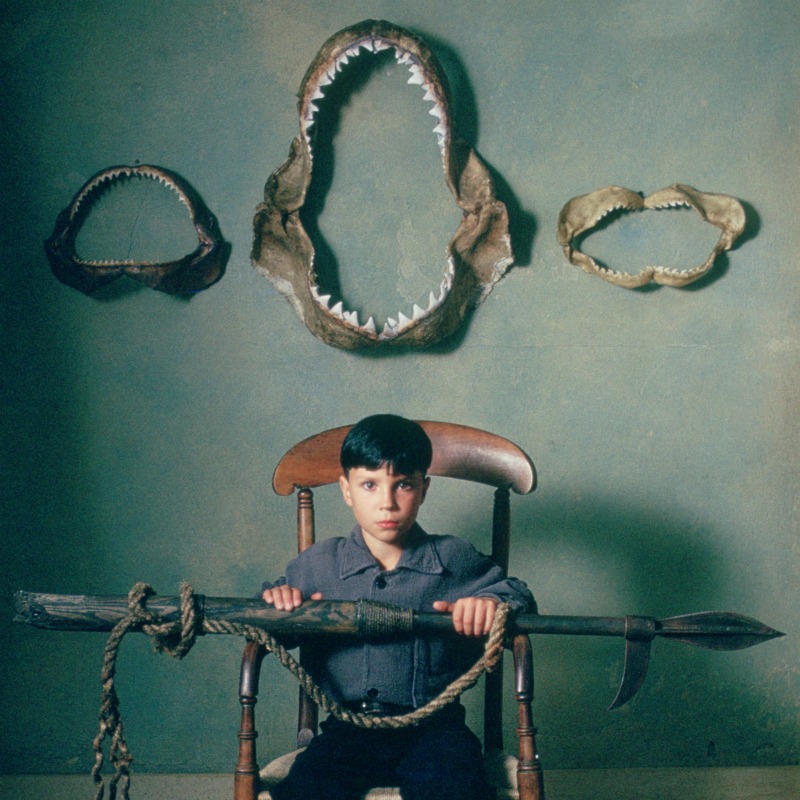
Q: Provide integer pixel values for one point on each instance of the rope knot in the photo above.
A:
(174, 638)
(168, 637)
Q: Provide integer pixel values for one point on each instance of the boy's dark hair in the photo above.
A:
(387, 440)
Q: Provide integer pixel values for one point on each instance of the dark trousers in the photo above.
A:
(437, 760)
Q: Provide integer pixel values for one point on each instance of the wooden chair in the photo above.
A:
(458, 452)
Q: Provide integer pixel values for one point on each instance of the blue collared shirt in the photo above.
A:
(410, 671)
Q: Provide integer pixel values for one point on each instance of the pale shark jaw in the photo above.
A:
(478, 255)
(585, 212)
(195, 271)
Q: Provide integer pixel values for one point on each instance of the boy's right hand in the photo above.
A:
(286, 598)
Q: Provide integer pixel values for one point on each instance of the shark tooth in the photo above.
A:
(416, 76)
(388, 332)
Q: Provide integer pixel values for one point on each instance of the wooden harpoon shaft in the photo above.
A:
(66, 612)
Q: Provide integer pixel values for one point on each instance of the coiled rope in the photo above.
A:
(177, 639)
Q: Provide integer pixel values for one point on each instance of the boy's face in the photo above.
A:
(384, 503)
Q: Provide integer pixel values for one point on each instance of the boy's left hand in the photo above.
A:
(472, 616)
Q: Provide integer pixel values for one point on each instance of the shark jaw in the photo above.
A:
(585, 212)
(477, 256)
(196, 271)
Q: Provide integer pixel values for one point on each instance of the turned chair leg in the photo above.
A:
(530, 779)
(245, 781)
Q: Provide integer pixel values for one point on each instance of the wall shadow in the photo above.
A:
(639, 560)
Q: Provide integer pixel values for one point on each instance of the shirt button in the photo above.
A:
(372, 693)
(380, 583)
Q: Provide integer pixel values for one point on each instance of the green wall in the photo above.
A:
(140, 430)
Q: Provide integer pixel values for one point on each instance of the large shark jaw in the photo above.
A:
(196, 271)
(478, 255)
(586, 211)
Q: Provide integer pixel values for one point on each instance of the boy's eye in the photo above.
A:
(368, 484)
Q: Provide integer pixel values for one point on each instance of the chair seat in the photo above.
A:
(501, 769)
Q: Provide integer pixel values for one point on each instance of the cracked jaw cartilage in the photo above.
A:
(586, 211)
(477, 256)
(196, 271)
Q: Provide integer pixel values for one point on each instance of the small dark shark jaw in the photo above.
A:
(478, 255)
(196, 271)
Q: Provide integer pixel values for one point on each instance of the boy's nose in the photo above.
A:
(388, 499)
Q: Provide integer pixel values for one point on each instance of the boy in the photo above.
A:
(389, 558)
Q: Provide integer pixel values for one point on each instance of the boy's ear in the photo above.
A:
(344, 485)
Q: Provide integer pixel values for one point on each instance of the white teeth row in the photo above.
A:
(675, 204)
(608, 211)
(618, 206)
(126, 262)
(680, 273)
(393, 326)
(402, 57)
(110, 177)
(672, 271)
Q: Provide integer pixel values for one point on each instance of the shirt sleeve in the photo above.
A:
(478, 576)
(512, 591)
(301, 572)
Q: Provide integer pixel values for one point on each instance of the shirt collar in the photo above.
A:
(420, 554)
